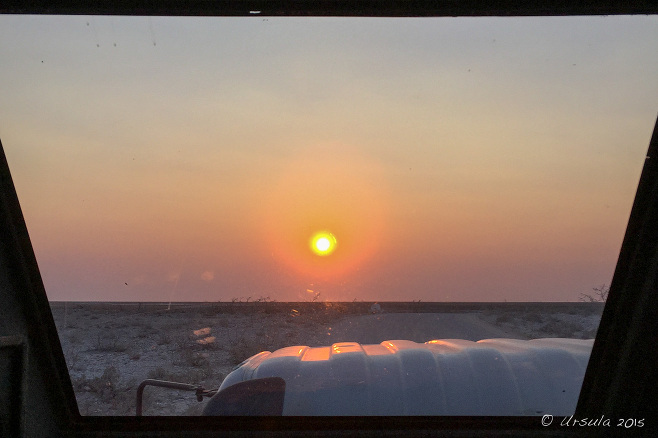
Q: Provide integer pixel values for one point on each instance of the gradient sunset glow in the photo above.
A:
(207, 159)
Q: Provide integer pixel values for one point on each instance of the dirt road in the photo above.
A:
(419, 327)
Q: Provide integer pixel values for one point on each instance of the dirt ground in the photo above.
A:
(110, 348)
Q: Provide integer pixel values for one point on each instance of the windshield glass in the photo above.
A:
(198, 190)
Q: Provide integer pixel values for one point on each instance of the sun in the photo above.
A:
(323, 243)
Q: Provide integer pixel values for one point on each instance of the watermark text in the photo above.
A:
(602, 421)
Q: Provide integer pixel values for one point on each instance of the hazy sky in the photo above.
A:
(473, 159)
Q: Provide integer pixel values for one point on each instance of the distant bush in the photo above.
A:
(534, 317)
(158, 373)
(600, 295)
(163, 338)
(105, 386)
(561, 329)
(505, 318)
(110, 344)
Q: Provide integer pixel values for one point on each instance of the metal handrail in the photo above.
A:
(200, 391)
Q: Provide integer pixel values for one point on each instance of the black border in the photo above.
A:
(369, 8)
(621, 379)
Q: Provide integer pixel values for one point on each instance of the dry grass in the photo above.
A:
(109, 389)
(579, 323)
(110, 344)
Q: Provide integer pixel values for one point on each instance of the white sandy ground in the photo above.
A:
(109, 350)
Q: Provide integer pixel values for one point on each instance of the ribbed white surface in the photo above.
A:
(442, 377)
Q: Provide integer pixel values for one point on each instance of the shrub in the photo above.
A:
(505, 318)
(158, 373)
(105, 386)
(191, 358)
(534, 317)
(110, 345)
(560, 329)
(244, 348)
(163, 339)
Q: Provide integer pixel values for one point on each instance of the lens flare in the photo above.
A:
(323, 243)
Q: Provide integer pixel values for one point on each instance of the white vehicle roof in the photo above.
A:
(440, 377)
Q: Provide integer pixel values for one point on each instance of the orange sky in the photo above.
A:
(452, 159)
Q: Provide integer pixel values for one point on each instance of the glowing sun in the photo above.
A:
(323, 243)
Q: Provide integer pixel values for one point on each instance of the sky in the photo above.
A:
(448, 159)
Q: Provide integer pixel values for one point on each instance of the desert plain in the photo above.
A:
(111, 347)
